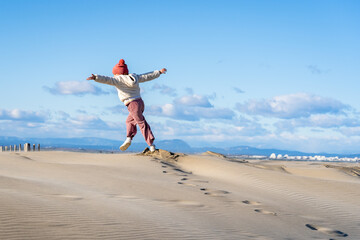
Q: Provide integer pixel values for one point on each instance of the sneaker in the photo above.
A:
(126, 144)
(152, 148)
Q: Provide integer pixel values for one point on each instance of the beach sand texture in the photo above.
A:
(67, 195)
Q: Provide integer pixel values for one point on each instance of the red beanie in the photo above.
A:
(120, 68)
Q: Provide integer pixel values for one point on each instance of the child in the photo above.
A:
(128, 89)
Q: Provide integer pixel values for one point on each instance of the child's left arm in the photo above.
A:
(151, 75)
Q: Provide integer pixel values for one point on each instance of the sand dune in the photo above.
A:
(64, 195)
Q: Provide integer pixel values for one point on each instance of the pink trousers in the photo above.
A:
(136, 109)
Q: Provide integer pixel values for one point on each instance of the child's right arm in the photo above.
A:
(102, 79)
(106, 80)
(120, 80)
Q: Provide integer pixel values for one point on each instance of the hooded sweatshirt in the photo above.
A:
(127, 86)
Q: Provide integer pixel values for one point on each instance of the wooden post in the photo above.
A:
(27, 147)
(6, 148)
(14, 148)
(34, 147)
(20, 147)
(39, 147)
(1, 149)
(10, 148)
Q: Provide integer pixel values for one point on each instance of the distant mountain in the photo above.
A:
(174, 145)
(257, 151)
(246, 150)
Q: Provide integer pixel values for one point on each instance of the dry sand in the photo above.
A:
(64, 195)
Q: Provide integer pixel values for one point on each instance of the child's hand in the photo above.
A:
(163, 70)
(93, 77)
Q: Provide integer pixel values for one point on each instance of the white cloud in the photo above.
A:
(292, 106)
(325, 121)
(82, 121)
(77, 88)
(88, 122)
(194, 100)
(22, 115)
(60, 124)
(208, 131)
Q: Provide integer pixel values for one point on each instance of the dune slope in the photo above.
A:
(64, 195)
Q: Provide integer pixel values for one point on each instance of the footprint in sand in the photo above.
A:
(175, 173)
(265, 212)
(194, 180)
(214, 193)
(328, 231)
(191, 182)
(164, 163)
(259, 210)
(188, 184)
(181, 171)
(251, 203)
(173, 169)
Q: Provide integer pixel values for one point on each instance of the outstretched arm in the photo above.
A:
(151, 75)
(103, 79)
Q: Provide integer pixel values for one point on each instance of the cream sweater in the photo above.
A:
(127, 86)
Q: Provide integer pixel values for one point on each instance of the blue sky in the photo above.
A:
(269, 74)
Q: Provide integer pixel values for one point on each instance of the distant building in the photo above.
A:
(314, 158)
